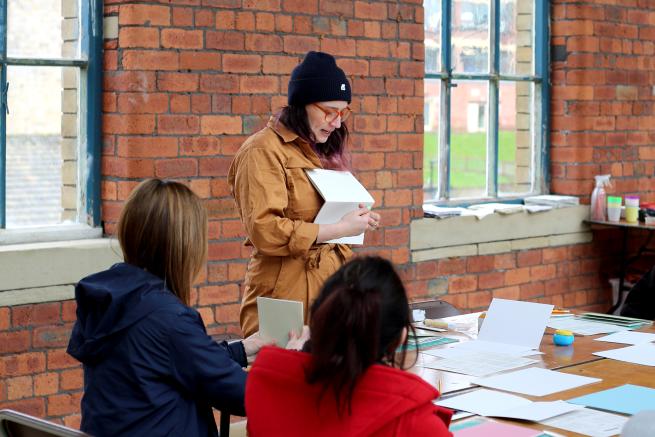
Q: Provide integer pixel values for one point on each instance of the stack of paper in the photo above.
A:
(535, 381)
(342, 194)
(430, 210)
(589, 422)
(492, 403)
(583, 327)
(626, 322)
(552, 200)
(625, 399)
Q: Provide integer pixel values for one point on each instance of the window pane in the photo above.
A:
(470, 36)
(431, 114)
(43, 28)
(515, 138)
(468, 139)
(516, 36)
(42, 132)
(432, 36)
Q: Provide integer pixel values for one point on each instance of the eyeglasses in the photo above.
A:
(331, 114)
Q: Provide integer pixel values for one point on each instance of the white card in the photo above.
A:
(515, 322)
(277, 317)
(535, 381)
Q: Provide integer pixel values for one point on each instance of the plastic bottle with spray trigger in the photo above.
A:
(599, 198)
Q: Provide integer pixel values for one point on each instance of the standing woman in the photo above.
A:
(275, 199)
(149, 366)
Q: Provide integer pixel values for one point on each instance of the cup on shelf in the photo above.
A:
(631, 209)
(614, 208)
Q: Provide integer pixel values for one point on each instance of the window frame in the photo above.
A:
(89, 62)
(541, 158)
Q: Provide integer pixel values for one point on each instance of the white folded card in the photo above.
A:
(342, 193)
(278, 317)
(492, 403)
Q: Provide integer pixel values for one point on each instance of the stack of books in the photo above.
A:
(626, 322)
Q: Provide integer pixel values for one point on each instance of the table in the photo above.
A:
(625, 260)
(575, 359)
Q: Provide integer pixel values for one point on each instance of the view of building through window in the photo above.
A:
(42, 121)
(471, 83)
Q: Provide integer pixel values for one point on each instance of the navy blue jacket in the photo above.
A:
(149, 366)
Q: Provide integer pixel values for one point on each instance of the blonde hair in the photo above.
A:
(163, 229)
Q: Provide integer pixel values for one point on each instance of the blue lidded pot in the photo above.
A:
(563, 337)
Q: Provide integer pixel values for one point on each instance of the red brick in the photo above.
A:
(22, 364)
(33, 407)
(73, 421)
(219, 83)
(478, 264)
(373, 49)
(265, 22)
(46, 383)
(150, 60)
(491, 280)
(204, 18)
(129, 81)
(462, 284)
(339, 47)
(181, 39)
(197, 146)
(51, 336)
(512, 293)
(214, 166)
(233, 63)
(370, 11)
(218, 294)
(132, 168)
(529, 258)
(517, 276)
(4, 318)
(72, 379)
(220, 124)
(182, 17)
(37, 314)
(14, 341)
(144, 14)
(225, 40)
(145, 37)
(142, 103)
(59, 359)
(179, 82)
(178, 124)
(203, 60)
(228, 313)
(61, 404)
(19, 387)
(147, 147)
(224, 250)
(479, 299)
(505, 261)
(531, 290)
(259, 84)
(176, 168)
(300, 44)
(300, 6)
(396, 237)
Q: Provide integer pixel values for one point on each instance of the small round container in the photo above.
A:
(613, 208)
(563, 337)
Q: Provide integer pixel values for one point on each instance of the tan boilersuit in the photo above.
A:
(277, 204)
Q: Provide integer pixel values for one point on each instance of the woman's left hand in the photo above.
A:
(297, 342)
(255, 342)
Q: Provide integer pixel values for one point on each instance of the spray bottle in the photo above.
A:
(599, 198)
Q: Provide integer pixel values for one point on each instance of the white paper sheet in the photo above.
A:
(628, 337)
(480, 363)
(277, 317)
(492, 403)
(498, 348)
(342, 193)
(515, 322)
(583, 327)
(587, 421)
(643, 354)
(535, 381)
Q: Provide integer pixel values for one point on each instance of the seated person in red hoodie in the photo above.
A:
(349, 379)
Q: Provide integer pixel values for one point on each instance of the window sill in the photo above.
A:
(45, 272)
(48, 233)
(467, 236)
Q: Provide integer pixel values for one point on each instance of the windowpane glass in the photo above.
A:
(431, 114)
(43, 28)
(432, 36)
(515, 138)
(42, 138)
(468, 139)
(470, 36)
(516, 36)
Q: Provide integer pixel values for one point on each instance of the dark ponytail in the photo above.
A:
(357, 321)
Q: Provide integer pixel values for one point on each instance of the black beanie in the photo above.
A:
(317, 79)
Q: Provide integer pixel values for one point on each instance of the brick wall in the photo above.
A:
(186, 81)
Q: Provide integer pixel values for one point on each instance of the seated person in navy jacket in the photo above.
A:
(149, 366)
(351, 381)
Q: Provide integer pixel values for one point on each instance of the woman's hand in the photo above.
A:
(373, 220)
(351, 224)
(255, 342)
(297, 342)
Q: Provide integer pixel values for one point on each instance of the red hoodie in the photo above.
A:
(386, 402)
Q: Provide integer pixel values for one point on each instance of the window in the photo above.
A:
(51, 61)
(486, 99)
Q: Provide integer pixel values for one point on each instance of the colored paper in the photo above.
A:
(488, 428)
(626, 399)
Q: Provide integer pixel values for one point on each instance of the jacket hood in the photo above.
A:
(108, 303)
(277, 385)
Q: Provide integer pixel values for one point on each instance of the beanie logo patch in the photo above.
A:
(343, 87)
